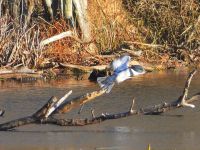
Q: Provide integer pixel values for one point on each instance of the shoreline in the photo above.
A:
(70, 70)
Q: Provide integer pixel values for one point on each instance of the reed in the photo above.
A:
(110, 24)
(167, 22)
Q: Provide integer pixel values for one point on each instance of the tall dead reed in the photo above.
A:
(167, 22)
(110, 24)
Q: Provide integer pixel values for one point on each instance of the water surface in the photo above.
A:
(178, 129)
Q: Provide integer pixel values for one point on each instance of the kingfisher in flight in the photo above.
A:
(121, 72)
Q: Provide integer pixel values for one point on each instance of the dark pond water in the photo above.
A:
(175, 130)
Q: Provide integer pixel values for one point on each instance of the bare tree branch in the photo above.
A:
(186, 89)
(44, 115)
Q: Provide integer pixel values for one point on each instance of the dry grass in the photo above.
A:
(62, 50)
(110, 24)
(109, 30)
(172, 26)
(18, 46)
(167, 22)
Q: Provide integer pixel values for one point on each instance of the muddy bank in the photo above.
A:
(56, 70)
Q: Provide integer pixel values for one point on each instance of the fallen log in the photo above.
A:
(20, 74)
(14, 71)
(44, 115)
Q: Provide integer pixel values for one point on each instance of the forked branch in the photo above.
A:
(44, 115)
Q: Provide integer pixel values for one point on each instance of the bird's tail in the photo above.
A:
(106, 83)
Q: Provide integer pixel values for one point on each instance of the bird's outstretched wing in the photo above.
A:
(106, 83)
(120, 64)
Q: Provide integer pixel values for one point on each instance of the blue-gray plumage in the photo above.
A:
(138, 68)
(121, 72)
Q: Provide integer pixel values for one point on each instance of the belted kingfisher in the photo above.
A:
(121, 72)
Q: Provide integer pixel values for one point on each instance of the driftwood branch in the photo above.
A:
(98, 67)
(153, 110)
(56, 37)
(83, 68)
(59, 37)
(13, 71)
(44, 115)
(20, 73)
(79, 101)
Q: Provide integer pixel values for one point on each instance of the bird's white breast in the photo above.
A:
(126, 74)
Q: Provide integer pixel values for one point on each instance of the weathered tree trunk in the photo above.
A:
(49, 7)
(80, 9)
(62, 7)
(19, 10)
(68, 11)
(14, 9)
(81, 14)
(1, 1)
(30, 4)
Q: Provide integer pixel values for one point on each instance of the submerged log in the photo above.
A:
(44, 115)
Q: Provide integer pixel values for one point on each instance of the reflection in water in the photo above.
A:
(178, 129)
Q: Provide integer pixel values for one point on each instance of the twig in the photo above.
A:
(145, 44)
(80, 110)
(131, 108)
(133, 53)
(92, 112)
(186, 89)
(2, 112)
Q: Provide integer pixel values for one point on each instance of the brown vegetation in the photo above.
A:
(173, 25)
(158, 32)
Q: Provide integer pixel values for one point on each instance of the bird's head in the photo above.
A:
(138, 69)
